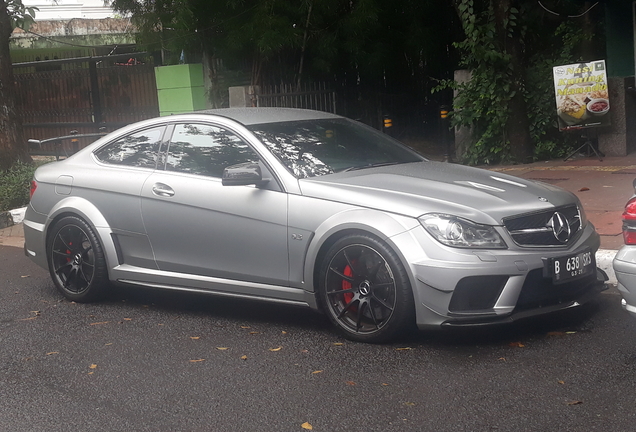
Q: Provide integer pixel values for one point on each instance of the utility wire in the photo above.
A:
(569, 16)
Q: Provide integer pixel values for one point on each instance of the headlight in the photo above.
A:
(457, 232)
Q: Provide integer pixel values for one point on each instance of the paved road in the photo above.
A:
(145, 361)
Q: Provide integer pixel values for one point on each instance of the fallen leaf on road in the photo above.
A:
(575, 403)
(584, 189)
(351, 383)
(556, 333)
(100, 323)
(197, 360)
(28, 319)
(127, 319)
(384, 384)
(25, 276)
(195, 337)
(316, 372)
(403, 349)
(561, 382)
(109, 343)
(93, 366)
(284, 332)
(307, 426)
(245, 327)
(517, 344)
(276, 349)
(570, 332)
(254, 332)
(244, 357)
(52, 352)
(338, 343)
(502, 358)
(221, 348)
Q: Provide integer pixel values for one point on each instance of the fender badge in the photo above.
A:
(543, 199)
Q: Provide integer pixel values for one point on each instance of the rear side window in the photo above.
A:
(139, 149)
(206, 150)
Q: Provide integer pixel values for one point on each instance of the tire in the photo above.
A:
(76, 261)
(365, 291)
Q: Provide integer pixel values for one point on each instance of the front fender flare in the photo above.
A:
(377, 223)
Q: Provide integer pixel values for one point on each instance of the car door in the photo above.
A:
(115, 188)
(197, 226)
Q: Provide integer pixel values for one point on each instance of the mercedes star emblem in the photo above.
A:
(560, 227)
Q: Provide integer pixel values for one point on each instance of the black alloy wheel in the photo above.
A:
(364, 290)
(76, 260)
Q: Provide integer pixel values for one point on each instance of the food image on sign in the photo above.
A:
(582, 97)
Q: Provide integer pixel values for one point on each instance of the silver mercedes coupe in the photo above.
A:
(310, 209)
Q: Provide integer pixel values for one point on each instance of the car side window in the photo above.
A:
(206, 150)
(139, 149)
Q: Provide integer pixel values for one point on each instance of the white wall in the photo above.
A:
(69, 9)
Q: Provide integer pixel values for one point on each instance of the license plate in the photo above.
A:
(566, 268)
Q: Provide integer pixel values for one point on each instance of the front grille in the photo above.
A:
(535, 229)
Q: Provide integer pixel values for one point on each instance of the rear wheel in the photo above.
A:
(364, 290)
(76, 261)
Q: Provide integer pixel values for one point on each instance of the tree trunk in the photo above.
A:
(13, 148)
(302, 50)
(518, 124)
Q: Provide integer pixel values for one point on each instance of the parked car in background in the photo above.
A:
(625, 260)
(311, 209)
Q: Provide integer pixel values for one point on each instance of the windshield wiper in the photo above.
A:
(372, 165)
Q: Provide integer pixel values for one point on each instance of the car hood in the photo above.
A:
(418, 188)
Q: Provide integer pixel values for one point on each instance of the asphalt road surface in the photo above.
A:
(149, 361)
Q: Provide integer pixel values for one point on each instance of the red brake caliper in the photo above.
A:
(346, 285)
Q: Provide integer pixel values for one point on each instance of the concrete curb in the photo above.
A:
(6, 220)
(604, 258)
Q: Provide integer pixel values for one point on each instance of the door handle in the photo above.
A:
(162, 190)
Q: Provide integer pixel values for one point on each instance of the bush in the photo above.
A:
(14, 186)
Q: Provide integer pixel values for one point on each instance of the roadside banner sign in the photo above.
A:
(582, 97)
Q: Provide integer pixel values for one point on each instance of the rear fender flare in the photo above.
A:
(84, 209)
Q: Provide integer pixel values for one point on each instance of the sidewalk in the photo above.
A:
(12, 236)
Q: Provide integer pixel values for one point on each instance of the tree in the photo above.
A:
(510, 47)
(13, 148)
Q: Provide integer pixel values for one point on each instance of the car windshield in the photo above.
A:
(312, 148)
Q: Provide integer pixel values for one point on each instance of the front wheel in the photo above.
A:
(365, 290)
(76, 261)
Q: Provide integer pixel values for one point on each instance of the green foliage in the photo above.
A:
(483, 103)
(560, 49)
(21, 16)
(14, 186)
(362, 40)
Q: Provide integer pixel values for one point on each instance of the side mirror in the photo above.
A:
(244, 174)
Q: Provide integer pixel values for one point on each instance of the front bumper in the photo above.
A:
(464, 287)
(625, 268)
